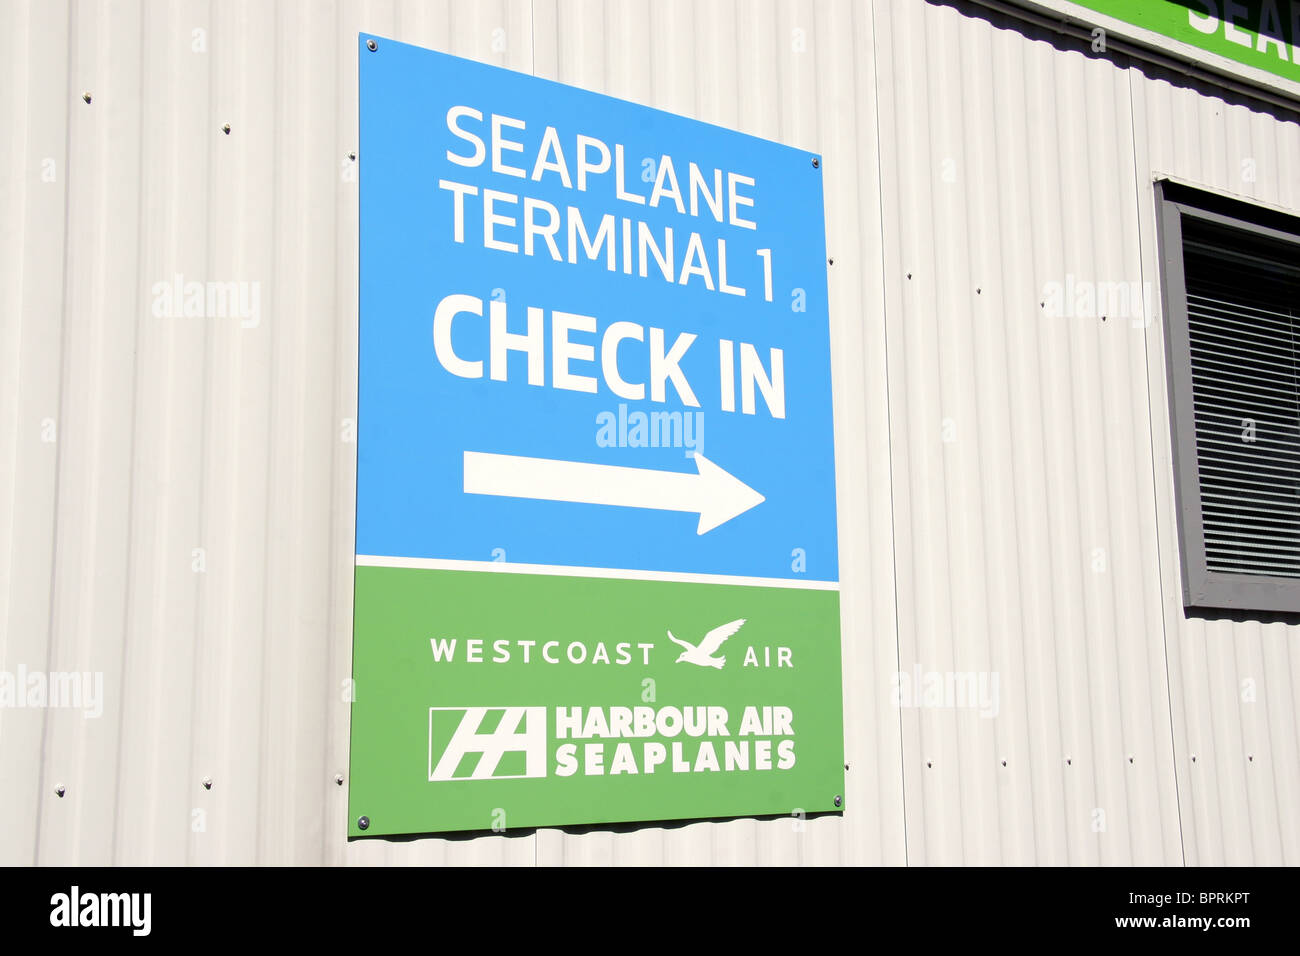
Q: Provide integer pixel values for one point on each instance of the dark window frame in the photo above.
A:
(1202, 587)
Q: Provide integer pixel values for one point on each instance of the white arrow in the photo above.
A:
(713, 493)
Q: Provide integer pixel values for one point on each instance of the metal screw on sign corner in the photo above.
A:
(363, 823)
(372, 46)
(816, 163)
(838, 799)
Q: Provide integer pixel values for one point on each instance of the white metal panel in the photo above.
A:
(177, 494)
(1234, 679)
(1026, 538)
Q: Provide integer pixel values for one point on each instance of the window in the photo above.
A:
(1231, 283)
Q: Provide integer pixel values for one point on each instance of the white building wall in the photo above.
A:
(177, 495)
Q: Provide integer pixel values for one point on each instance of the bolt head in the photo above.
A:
(339, 779)
(60, 790)
(86, 97)
(372, 46)
(816, 163)
(207, 783)
(838, 799)
(363, 823)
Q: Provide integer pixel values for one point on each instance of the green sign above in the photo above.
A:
(1264, 34)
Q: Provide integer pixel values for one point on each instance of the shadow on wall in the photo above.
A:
(465, 836)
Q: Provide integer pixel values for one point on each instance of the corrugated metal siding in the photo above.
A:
(1005, 486)
(1236, 710)
(1026, 536)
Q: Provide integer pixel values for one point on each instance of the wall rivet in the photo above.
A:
(838, 799)
(207, 783)
(226, 129)
(363, 823)
(60, 790)
(86, 97)
(339, 779)
(372, 46)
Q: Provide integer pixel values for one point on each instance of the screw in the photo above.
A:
(909, 275)
(838, 799)
(60, 790)
(1004, 763)
(1068, 762)
(352, 157)
(86, 97)
(830, 262)
(207, 783)
(372, 46)
(929, 764)
(816, 162)
(226, 129)
(979, 291)
(363, 823)
(339, 779)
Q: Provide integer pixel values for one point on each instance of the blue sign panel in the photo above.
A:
(595, 334)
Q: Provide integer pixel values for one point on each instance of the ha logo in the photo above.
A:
(526, 746)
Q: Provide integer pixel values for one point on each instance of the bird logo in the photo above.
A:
(702, 654)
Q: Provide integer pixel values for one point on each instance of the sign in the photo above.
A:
(1264, 34)
(596, 532)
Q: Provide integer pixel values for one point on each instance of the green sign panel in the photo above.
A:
(597, 561)
(494, 699)
(1261, 33)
